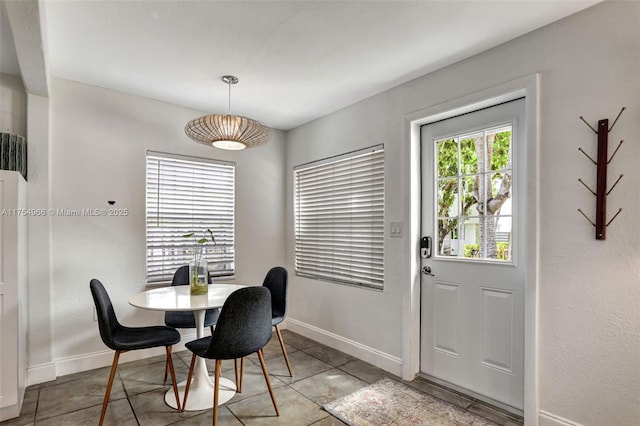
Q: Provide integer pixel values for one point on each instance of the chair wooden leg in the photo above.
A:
(235, 370)
(284, 351)
(173, 375)
(241, 374)
(266, 379)
(189, 377)
(215, 391)
(166, 371)
(114, 367)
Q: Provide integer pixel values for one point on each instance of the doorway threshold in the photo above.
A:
(479, 404)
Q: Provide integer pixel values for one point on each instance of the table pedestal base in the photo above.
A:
(201, 397)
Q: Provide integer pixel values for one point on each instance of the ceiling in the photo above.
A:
(296, 60)
(8, 59)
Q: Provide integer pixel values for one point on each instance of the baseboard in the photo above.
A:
(89, 361)
(373, 356)
(10, 411)
(548, 419)
(41, 373)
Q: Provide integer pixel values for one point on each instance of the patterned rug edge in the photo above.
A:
(453, 416)
(336, 414)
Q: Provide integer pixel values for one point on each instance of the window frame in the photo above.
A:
(159, 268)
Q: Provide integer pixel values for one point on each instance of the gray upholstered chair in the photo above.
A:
(244, 327)
(277, 282)
(187, 319)
(122, 339)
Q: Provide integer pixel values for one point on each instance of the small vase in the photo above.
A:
(198, 274)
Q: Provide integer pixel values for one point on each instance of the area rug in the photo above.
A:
(388, 402)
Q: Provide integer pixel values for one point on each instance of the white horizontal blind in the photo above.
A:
(339, 219)
(187, 195)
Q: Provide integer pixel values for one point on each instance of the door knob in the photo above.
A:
(427, 270)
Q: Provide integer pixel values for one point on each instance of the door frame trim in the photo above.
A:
(529, 87)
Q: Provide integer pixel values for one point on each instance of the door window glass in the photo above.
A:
(474, 194)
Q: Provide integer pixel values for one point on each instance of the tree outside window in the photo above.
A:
(474, 175)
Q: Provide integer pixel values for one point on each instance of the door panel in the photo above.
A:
(497, 328)
(445, 321)
(472, 307)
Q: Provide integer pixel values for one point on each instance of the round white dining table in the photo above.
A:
(177, 298)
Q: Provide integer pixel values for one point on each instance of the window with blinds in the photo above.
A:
(184, 195)
(339, 218)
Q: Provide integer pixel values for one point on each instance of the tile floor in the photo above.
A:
(321, 374)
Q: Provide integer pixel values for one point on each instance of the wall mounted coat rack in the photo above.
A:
(601, 163)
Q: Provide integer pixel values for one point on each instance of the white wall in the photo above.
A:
(98, 141)
(34, 124)
(41, 363)
(13, 105)
(589, 291)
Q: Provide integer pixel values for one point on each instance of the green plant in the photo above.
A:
(197, 255)
(204, 239)
(471, 250)
(503, 250)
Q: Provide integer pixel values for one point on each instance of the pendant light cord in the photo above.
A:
(229, 107)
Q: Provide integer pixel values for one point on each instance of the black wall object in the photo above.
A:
(601, 164)
(13, 153)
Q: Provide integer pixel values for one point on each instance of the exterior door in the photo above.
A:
(472, 287)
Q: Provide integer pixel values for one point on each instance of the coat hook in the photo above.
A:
(614, 185)
(585, 216)
(601, 162)
(614, 216)
(588, 156)
(616, 120)
(615, 152)
(585, 185)
(585, 122)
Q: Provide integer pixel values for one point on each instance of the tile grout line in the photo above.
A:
(312, 401)
(135, 415)
(35, 412)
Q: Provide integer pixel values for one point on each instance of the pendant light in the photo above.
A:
(232, 132)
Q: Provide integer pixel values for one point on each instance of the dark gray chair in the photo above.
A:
(187, 319)
(277, 281)
(122, 339)
(244, 327)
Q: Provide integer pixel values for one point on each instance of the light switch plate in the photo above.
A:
(395, 229)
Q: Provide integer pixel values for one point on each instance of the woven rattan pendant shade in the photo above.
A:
(210, 129)
(228, 131)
